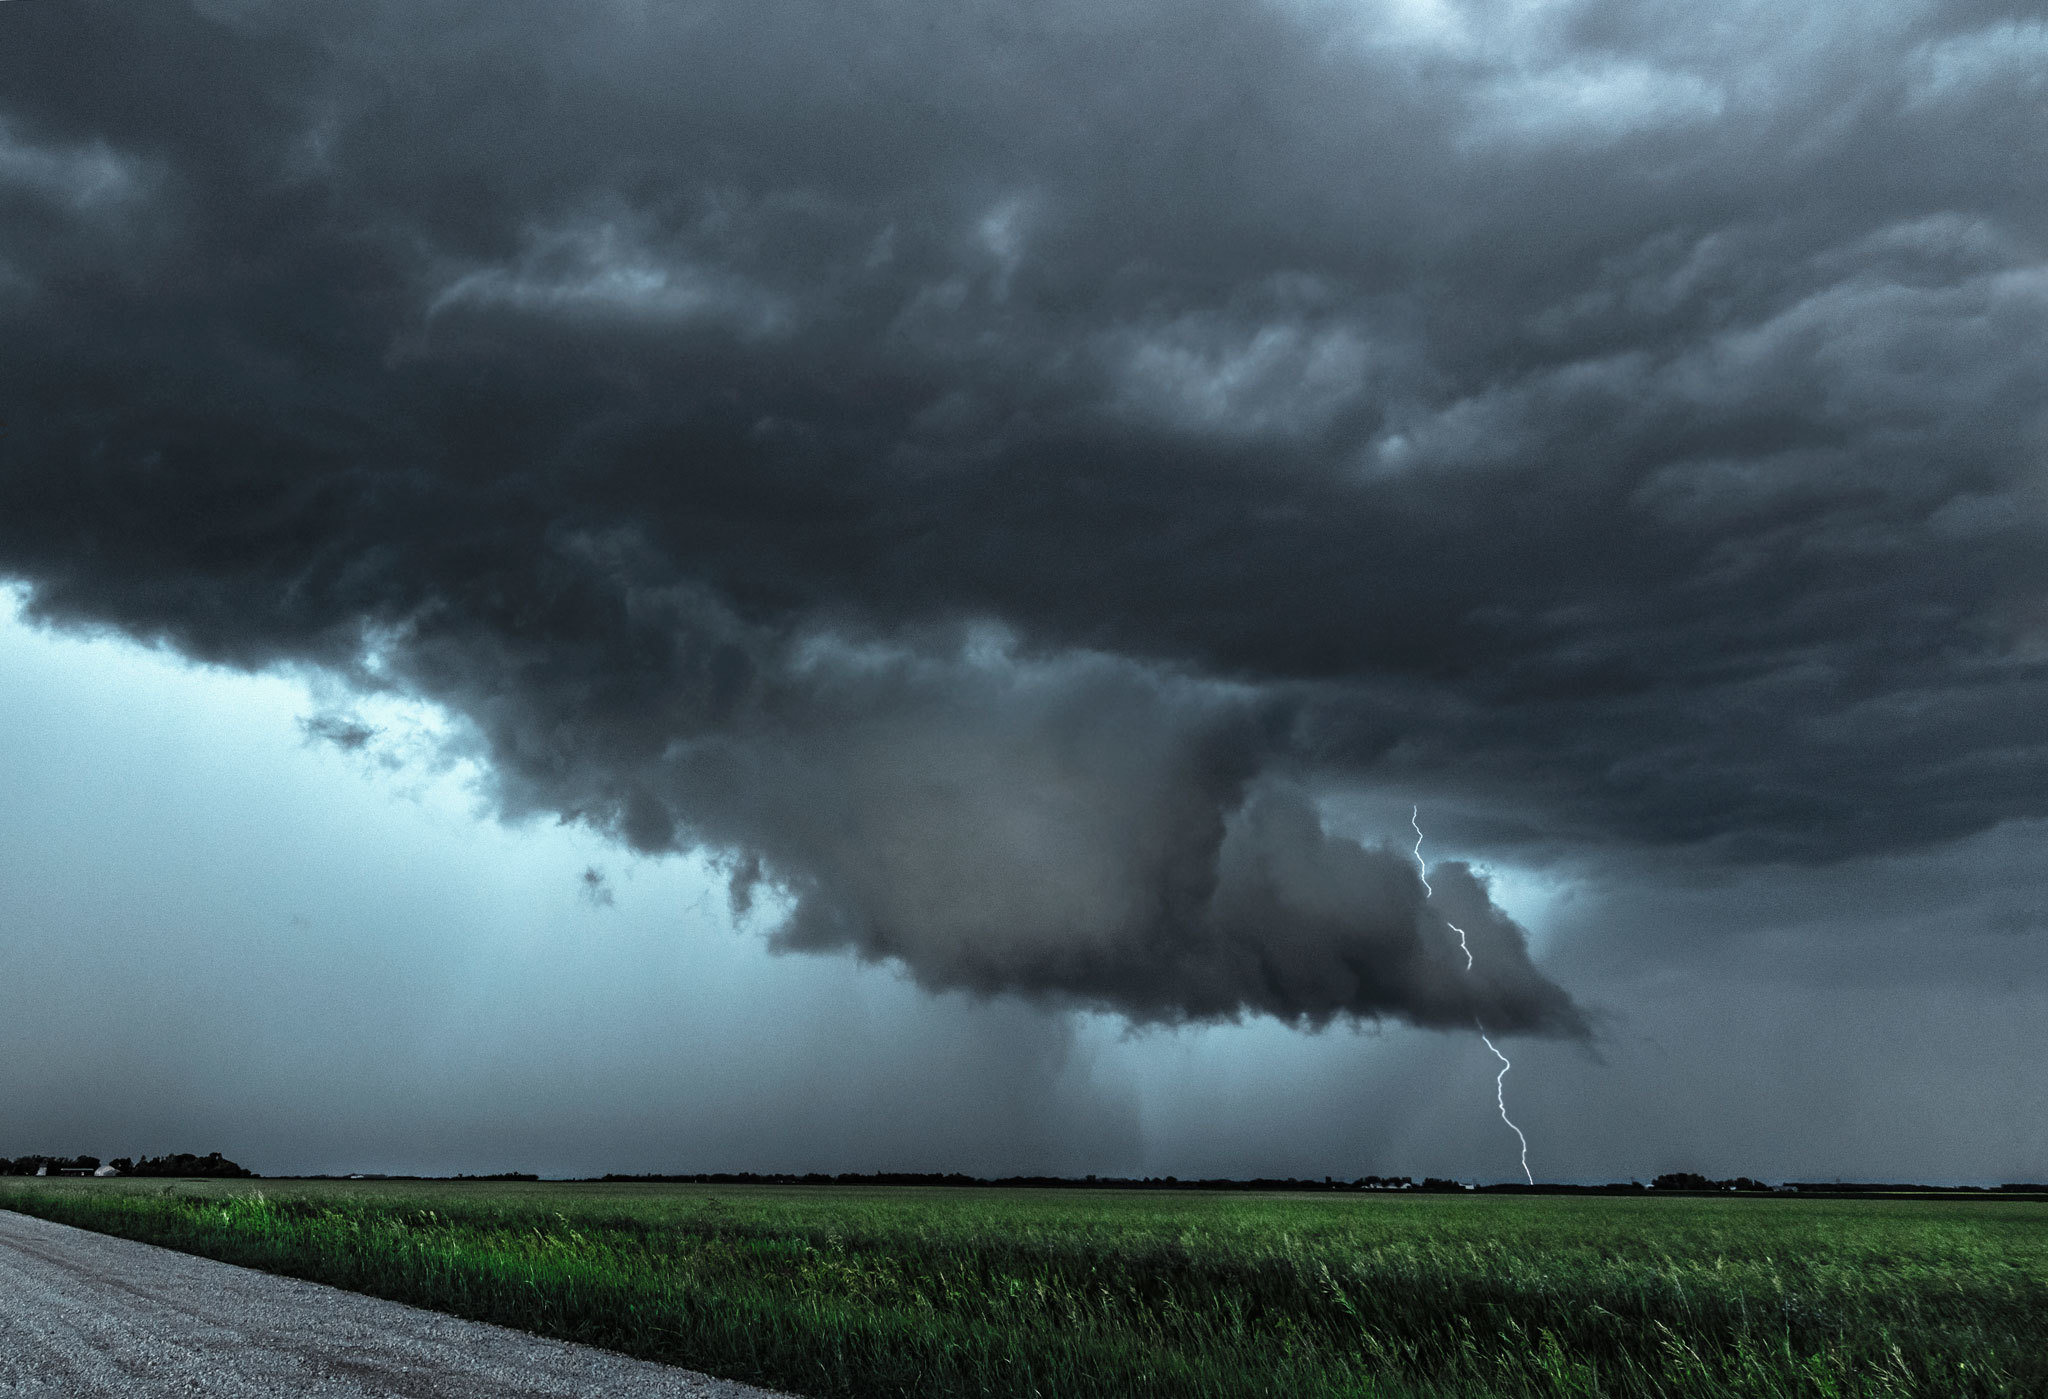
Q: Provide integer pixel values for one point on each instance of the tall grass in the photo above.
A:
(872, 1292)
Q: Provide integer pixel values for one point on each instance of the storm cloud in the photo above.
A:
(988, 472)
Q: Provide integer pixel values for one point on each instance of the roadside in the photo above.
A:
(84, 1315)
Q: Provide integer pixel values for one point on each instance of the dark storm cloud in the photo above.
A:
(978, 467)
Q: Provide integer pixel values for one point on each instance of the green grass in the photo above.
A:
(878, 1291)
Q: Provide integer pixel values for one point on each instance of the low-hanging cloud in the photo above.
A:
(976, 473)
(1078, 829)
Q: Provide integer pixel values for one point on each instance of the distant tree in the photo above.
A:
(211, 1165)
(1689, 1180)
(1683, 1180)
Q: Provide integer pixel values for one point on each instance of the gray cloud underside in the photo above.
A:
(982, 467)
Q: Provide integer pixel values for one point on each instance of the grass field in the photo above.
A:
(881, 1291)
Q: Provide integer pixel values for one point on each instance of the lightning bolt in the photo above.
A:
(1415, 820)
(1500, 1084)
(1500, 1096)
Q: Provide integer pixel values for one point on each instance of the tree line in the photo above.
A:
(178, 1163)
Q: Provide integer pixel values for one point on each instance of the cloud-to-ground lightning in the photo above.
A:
(1500, 1091)
(1500, 1096)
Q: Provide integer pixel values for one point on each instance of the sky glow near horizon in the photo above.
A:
(900, 625)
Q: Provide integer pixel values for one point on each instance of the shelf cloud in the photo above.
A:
(987, 473)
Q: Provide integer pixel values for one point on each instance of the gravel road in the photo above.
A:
(82, 1314)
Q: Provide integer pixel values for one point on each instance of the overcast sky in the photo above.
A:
(657, 585)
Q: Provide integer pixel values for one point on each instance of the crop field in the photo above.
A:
(880, 1291)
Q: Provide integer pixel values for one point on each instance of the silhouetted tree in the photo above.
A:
(212, 1165)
